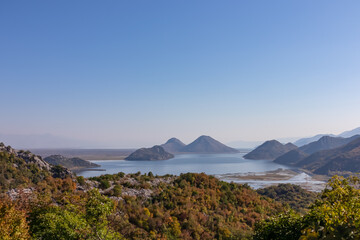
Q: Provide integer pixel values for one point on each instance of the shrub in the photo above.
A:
(104, 184)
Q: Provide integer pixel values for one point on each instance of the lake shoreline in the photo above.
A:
(269, 178)
(226, 167)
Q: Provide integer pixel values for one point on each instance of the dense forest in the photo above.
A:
(41, 201)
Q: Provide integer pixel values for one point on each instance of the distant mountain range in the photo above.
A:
(339, 160)
(346, 134)
(270, 150)
(350, 133)
(150, 154)
(304, 141)
(254, 144)
(326, 156)
(326, 142)
(297, 141)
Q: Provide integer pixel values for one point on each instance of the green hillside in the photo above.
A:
(41, 201)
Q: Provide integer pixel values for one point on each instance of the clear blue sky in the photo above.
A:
(133, 73)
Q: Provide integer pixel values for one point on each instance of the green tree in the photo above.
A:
(56, 223)
(283, 227)
(72, 222)
(81, 180)
(104, 184)
(98, 208)
(336, 215)
(13, 223)
(117, 190)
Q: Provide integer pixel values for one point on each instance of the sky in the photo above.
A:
(135, 73)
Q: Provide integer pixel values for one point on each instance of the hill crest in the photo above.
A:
(173, 145)
(270, 150)
(150, 154)
(207, 144)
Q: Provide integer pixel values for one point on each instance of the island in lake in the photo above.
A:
(150, 154)
(203, 144)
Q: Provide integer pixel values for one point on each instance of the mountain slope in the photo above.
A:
(270, 150)
(70, 163)
(345, 158)
(22, 168)
(173, 145)
(150, 154)
(326, 142)
(291, 157)
(206, 144)
(303, 141)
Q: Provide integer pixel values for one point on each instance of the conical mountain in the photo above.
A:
(270, 150)
(206, 144)
(173, 145)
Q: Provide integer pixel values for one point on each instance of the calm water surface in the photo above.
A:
(196, 163)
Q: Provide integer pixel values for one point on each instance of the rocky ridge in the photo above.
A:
(27, 156)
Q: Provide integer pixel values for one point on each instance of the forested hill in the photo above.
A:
(42, 202)
(133, 206)
(24, 169)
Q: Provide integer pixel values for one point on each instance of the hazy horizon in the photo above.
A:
(49, 141)
(136, 73)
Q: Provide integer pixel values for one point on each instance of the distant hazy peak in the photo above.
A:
(204, 138)
(174, 140)
(271, 142)
(173, 145)
(350, 133)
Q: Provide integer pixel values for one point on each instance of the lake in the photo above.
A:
(196, 163)
(220, 165)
